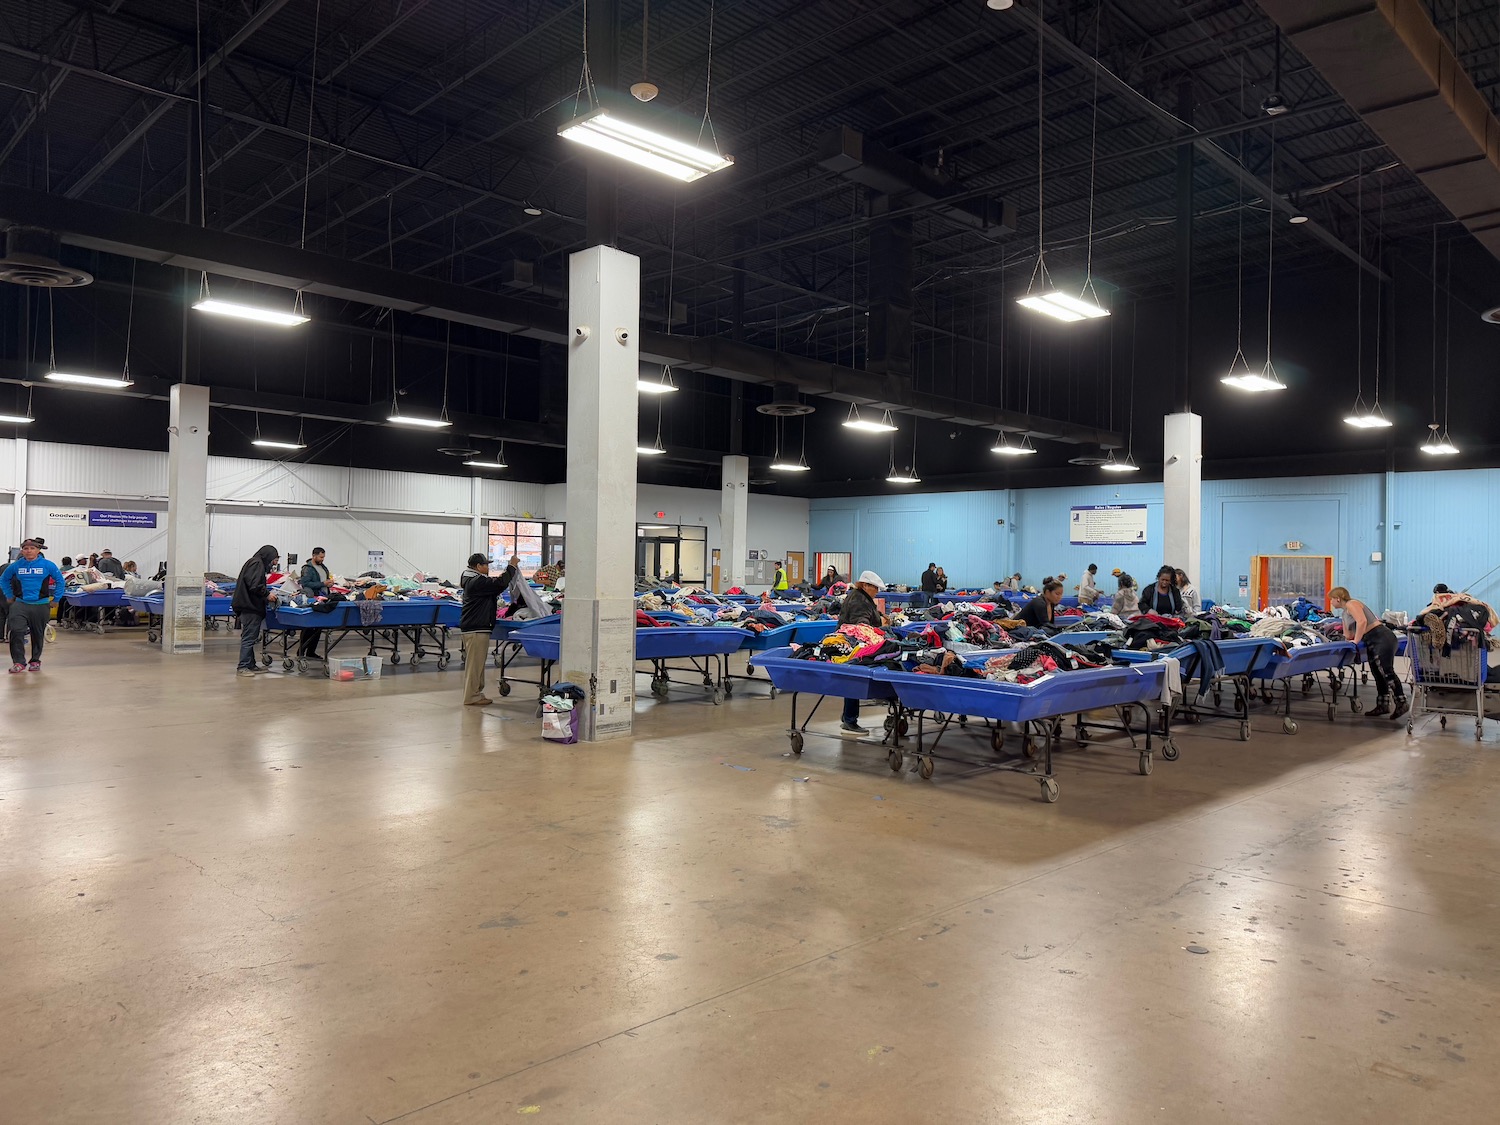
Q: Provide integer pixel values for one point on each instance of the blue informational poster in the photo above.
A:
(98, 518)
(1107, 525)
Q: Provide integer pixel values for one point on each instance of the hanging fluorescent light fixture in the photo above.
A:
(1367, 418)
(787, 465)
(399, 419)
(1255, 382)
(903, 476)
(1438, 445)
(1126, 466)
(272, 443)
(1062, 306)
(1004, 449)
(606, 131)
(664, 386)
(109, 382)
(16, 419)
(783, 464)
(655, 450)
(855, 422)
(906, 474)
(497, 463)
(257, 313)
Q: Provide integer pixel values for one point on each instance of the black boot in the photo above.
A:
(1381, 710)
(1401, 707)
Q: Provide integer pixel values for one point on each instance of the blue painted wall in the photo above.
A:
(1441, 530)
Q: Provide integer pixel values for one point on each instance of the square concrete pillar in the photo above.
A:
(1182, 489)
(734, 522)
(187, 519)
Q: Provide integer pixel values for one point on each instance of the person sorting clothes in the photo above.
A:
(1362, 627)
(482, 596)
(1042, 609)
(1164, 598)
(860, 609)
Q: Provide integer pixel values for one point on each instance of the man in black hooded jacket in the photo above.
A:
(482, 595)
(251, 597)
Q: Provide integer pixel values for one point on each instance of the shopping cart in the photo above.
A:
(1447, 676)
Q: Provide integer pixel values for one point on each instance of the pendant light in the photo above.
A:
(906, 474)
(656, 449)
(1043, 295)
(399, 418)
(1240, 375)
(1362, 417)
(1128, 465)
(238, 310)
(497, 463)
(21, 419)
(784, 464)
(665, 384)
(609, 131)
(1440, 444)
(1004, 449)
(869, 425)
(79, 379)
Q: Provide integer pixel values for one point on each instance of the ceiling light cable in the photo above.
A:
(1362, 417)
(312, 91)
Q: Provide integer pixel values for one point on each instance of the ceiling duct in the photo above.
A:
(1399, 73)
(31, 259)
(851, 155)
(785, 403)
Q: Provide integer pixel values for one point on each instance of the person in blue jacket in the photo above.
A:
(29, 584)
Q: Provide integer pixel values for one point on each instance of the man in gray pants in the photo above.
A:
(31, 582)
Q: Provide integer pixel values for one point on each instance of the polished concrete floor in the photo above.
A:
(290, 900)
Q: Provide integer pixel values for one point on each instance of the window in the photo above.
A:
(672, 551)
(532, 540)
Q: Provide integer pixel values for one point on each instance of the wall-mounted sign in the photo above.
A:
(78, 516)
(1108, 525)
(98, 518)
(661, 515)
(376, 560)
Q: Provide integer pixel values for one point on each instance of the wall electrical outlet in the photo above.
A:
(1376, 556)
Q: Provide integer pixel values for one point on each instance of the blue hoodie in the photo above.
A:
(28, 580)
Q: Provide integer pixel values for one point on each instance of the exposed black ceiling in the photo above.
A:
(433, 125)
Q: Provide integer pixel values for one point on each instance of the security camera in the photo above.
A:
(1274, 105)
(581, 332)
(622, 335)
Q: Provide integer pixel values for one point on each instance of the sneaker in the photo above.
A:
(14, 668)
(1402, 707)
(853, 730)
(482, 701)
(34, 666)
(247, 671)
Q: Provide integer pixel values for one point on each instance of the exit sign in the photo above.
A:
(661, 515)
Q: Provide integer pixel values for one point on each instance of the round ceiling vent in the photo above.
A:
(458, 451)
(1089, 460)
(785, 408)
(31, 259)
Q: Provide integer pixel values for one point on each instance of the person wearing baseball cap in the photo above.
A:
(860, 609)
(482, 596)
(29, 584)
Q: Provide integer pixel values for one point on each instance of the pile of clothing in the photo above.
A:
(1459, 619)
(851, 644)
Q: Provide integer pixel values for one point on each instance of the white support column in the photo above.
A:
(598, 628)
(734, 522)
(187, 519)
(1182, 488)
(479, 535)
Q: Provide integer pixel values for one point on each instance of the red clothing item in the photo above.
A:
(1168, 622)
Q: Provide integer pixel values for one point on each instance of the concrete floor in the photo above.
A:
(289, 900)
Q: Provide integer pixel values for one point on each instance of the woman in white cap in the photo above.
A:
(859, 609)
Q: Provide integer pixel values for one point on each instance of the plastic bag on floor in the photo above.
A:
(560, 726)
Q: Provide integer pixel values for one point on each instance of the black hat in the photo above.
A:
(478, 558)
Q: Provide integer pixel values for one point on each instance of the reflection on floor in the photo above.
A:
(290, 900)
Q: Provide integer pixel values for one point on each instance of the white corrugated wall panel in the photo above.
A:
(146, 545)
(92, 471)
(8, 469)
(277, 482)
(382, 490)
(512, 498)
(410, 543)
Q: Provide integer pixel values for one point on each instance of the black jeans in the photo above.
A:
(1380, 648)
(851, 712)
(26, 617)
(250, 627)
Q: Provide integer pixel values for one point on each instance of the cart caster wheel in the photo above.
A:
(774, 692)
(1306, 685)
(796, 741)
(288, 665)
(1357, 706)
(1245, 732)
(902, 726)
(1218, 699)
(749, 669)
(395, 659)
(1049, 790)
(1478, 732)
(152, 637)
(1144, 765)
(890, 723)
(1081, 735)
(1443, 721)
(895, 761)
(1288, 727)
(504, 688)
(963, 720)
(925, 768)
(1169, 750)
(443, 660)
(415, 660)
(1331, 709)
(1409, 726)
(718, 696)
(1028, 747)
(266, 660)
(728, 691)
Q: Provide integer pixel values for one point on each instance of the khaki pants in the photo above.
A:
(476, 647)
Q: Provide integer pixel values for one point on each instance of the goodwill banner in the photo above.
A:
(1109, 525)
(99, 518)
(78, 516)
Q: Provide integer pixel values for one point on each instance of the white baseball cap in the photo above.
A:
(870, 578)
